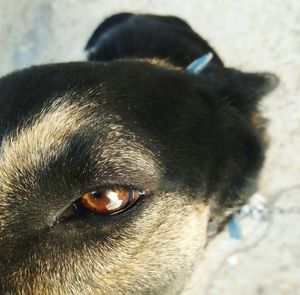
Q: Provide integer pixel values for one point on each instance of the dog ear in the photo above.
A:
(241, 90)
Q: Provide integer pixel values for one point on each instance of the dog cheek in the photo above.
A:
(154, 253)
(165, 242)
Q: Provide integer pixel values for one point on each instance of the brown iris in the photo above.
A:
(107, 201)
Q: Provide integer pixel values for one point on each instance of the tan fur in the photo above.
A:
(153, 251)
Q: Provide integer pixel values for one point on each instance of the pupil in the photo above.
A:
(96, 195)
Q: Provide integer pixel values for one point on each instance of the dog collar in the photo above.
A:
(200, 64)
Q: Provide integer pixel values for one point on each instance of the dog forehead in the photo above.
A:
(68, 136)
(163, 113)
(26, 91)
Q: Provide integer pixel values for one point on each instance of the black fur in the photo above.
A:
(147, 36)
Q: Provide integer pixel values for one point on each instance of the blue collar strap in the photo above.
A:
(234, 228)
(200, 64)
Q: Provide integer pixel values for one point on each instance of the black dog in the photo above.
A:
(110, 171)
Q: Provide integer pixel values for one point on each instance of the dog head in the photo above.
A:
(182, 144)
(110, 172)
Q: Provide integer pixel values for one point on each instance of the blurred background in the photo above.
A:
(253, 35)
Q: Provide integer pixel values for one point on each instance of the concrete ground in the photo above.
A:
(253, 35)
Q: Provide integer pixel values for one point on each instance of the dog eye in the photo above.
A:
(108, 201)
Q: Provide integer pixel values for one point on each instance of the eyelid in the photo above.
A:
(114, 185)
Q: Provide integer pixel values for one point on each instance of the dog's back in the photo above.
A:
(128, 35)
